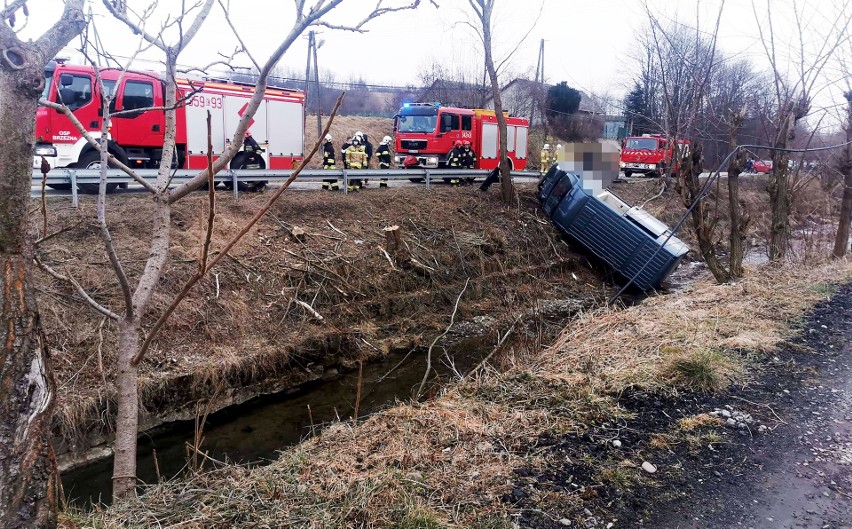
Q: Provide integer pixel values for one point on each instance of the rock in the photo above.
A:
(762, 428)
(518, 494)
(731, 422)
(726, 414)
(565, 522)
(648, 467)
(415, 476)
(616, 443)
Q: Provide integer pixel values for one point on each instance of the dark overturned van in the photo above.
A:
(625, 237)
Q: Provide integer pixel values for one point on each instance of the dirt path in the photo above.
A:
(799, 474)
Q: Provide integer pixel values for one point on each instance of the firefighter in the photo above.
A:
(368, 147)
(329, 162)
(558, 152)
(343, 147)
(469, 156)
(384, 156)
(546, 159)
(356, 159)
(456, 160)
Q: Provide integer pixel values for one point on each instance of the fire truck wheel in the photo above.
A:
(92, 160)
(240, 161)
(628, 174)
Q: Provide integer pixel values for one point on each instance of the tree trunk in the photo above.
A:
(738, 224)
(841, 242)
(779, 193)
(704, 227)
(506, 187)
(127, 422)
(27, 466)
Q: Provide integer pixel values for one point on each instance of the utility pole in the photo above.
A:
(317, 93)
(537, 90)
(308, 74)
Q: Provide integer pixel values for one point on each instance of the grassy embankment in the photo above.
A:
(451, 461)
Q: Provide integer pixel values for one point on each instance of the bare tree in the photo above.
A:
(28, 476)
(796, 80)
(841, 242)
(484, 12)
(687, 61)
(171, 39)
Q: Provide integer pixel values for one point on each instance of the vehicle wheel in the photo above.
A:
(628, 174)
(91, 160)
(240, 161)
(417, 180)
(60, 187)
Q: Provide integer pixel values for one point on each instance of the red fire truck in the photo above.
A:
(429, 130)
(137, 138)
(650, 154)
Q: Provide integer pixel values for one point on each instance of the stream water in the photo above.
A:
(253, 432)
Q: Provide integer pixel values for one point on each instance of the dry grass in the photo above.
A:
(448, 462)
(241, 326)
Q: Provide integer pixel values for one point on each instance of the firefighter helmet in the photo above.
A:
(328, 138)
(558, 146)
(386, 140)
(546, 146)
(458, 143)
(466, 143)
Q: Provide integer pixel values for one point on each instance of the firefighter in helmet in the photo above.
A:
(368, 147)
(456, 160)
(546, 159)
(383, 154)
(469, 155)
(329, 162)
(356, 159)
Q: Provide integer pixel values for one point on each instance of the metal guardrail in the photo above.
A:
(73, 177)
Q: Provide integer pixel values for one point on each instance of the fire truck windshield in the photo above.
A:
(418, 123)
(641, 144)
(48, 79)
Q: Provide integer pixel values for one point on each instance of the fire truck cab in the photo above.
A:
(136, 138)
(651, 154)
(429, 130)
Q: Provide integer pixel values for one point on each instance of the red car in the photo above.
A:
(763, 166)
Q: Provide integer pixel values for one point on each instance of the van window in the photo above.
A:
(138, 94)
(74, 91)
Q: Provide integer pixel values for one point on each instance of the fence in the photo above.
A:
(72, 177)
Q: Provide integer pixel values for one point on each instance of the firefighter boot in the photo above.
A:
(383, 183)
(335, 186)
(326, 185)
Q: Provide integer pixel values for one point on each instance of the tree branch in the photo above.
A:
(197, 277)
(70, 280)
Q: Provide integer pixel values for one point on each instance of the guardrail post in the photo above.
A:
(234, 183)
(345, 182)
(73, 175)
(428, 178)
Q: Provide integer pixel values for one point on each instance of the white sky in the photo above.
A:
(588, 43)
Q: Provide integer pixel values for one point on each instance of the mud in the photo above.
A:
(794, 472)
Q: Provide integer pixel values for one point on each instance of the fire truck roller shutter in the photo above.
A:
(286, 132)
(521, 143)
(510, 138)
(196, 128)
(489, 141)
(234, 107)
